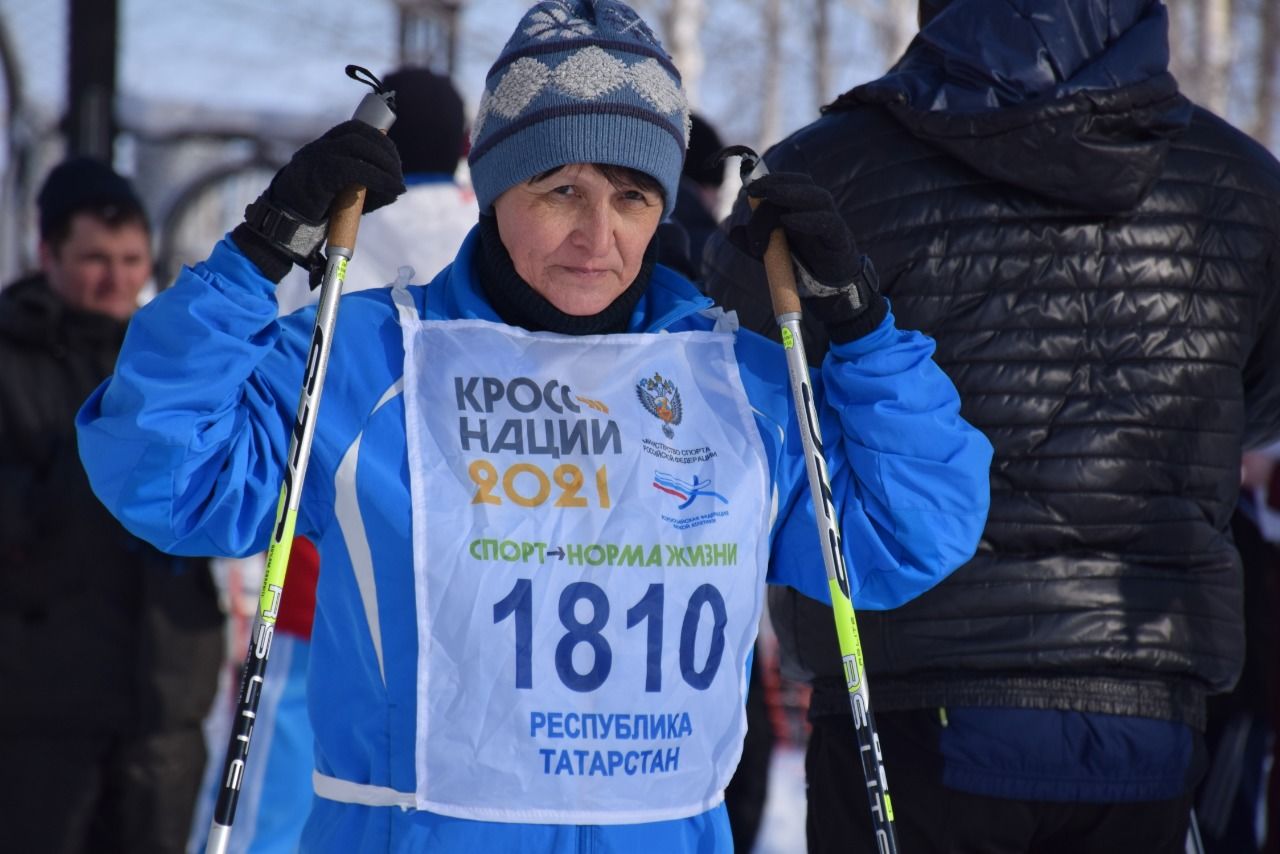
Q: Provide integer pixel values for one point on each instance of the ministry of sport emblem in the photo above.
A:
(661, 398)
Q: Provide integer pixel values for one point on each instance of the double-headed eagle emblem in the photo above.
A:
(662, 399)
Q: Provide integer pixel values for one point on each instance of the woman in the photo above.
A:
(547, 487)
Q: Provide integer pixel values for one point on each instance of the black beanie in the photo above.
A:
(84, 184)
(704, 144)
(430, 129)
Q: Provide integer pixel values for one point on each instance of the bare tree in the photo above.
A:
(770, 113)
(892, 22)
(1225, 56)
(820, 29)
(1263, 128)
(1217, 50)
(1202, 45)
(682, 22)
(1181, 46)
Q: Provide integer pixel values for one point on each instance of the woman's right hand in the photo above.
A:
(286, 224)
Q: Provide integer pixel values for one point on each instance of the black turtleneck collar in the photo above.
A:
(520, 305)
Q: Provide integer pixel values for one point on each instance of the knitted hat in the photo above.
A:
(580, 81)
(430, 129)
(83, 184)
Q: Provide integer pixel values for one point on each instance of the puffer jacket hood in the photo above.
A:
(1074, 103)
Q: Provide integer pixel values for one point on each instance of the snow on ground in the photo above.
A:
(782, 829)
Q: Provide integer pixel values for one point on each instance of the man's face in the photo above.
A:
(99, 268)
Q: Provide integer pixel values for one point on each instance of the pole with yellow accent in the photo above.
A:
(786, 309)
(376, 109)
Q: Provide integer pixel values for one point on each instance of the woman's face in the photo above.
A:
(575, 237)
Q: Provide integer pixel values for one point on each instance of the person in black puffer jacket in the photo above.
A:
(109, 649)
(1098, 260)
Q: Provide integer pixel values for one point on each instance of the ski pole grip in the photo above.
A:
(344, 217)
(780, 273)
(344, 214)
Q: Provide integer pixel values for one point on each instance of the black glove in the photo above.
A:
(286, 224)
(836, 283)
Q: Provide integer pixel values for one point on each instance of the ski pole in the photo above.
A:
(376, 109)
(1194, 843)
(786, 309)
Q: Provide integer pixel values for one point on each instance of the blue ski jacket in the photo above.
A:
(186, 444)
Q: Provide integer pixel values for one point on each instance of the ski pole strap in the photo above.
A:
(377, 109)
(779, 272)
(286, 230)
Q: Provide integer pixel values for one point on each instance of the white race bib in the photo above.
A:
(590, 520)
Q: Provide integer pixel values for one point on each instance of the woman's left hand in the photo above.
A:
(836, 282)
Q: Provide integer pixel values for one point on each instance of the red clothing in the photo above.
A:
(298, 605)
